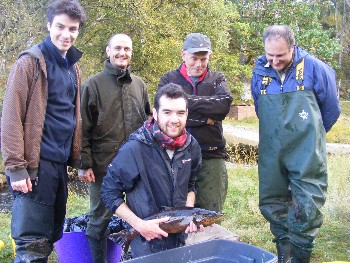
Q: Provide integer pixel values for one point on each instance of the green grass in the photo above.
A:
(251, 122)
(345, 108)
(340, 132)
(242, 215)
(241, 208)
(6, 252)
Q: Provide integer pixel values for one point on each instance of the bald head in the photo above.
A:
(119, 50)
(119, 36)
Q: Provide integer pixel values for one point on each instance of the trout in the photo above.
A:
(179, 220)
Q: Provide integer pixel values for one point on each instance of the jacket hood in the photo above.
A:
(33, 51)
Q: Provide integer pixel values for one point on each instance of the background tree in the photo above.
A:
(304, 17)
(309, 19)
(159, 27)
(338, 17)
(21, 25)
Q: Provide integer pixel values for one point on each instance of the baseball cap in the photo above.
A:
(197, 42)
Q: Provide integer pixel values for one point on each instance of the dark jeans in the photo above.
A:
(38, 216)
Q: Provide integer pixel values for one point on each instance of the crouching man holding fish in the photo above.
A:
(157, 167)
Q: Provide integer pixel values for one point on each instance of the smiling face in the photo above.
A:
(63, 32)
(196, 63)
(171, 116)
(278, 54)
(119, 51)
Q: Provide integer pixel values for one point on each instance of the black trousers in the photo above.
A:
(38, 216)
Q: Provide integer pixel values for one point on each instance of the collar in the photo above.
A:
(118, 72)
(72, 56)
(183, 72)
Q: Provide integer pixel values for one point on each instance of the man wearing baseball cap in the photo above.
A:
(209, 102)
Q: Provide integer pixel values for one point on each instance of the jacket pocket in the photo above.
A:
(103, 154)
(105, 147)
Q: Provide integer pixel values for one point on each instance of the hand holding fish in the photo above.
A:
(150, 229)
(192, 228)
(170, 220)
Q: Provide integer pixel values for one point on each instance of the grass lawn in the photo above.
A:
(242, 215)
(241, 208)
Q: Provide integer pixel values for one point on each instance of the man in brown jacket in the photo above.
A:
(41, 133)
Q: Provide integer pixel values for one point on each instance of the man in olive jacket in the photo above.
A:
(114, 104)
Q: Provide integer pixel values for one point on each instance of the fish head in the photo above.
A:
(207, 217)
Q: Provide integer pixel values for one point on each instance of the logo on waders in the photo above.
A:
(303, 115)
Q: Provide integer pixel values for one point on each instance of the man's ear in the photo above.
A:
(107, 51)
(48, 26)
(183, 54)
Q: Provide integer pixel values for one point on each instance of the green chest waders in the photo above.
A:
(292, 165)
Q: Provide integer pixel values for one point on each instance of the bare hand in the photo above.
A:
(150, 229)
(87, 176)
(193, 228)
(24, 185)
(210, 121)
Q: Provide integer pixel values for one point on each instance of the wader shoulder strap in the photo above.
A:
(299, 76)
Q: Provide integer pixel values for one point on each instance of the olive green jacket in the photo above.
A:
(114, 104)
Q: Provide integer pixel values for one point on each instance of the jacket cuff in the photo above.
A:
(74, 163)
(17, 175)
(116, 205)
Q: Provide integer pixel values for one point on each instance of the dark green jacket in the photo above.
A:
(114, 104)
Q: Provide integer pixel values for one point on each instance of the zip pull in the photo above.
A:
(173, 176)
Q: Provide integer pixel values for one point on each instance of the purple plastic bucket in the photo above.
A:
(114, 252)
(73, 247)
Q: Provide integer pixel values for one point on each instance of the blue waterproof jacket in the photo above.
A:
(318, 76)
(149, 178)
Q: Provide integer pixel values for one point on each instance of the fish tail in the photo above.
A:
(120, 237)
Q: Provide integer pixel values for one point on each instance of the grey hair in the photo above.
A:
(277, 31)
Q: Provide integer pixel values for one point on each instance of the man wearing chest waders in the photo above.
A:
(296, 100)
